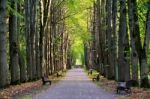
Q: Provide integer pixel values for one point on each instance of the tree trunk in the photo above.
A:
(28, 42)
(3, 54)
(114, 38)
(144, 53)
(32, 36)
(13, 41)
(44, 9)
(133, 32)
(37, 55)
(123, 50)
(109, 40)
(138, 45)
(102, 38)
(22, 65)
(147, 33)
(23, 74)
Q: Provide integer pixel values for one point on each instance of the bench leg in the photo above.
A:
(43, 83)
(118, 91)
(128, 91)
(93, 79)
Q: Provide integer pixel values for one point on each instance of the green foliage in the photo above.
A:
(142, 11)
(26, 97)
(12, 11)
(77, 27)
(143, 7)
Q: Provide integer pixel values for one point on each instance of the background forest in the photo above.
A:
(41, 37)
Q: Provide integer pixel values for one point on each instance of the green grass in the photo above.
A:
(94, 73)
(26, 97)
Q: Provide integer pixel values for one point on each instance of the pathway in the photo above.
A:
(76, 85)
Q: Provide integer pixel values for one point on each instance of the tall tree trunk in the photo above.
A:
(123, 50)
(27, 36)
(37, 55)
(13, 42)
(94, 37)
(147, 32)
(133, 32)
(22, 66)
(109, 39)
(32, 36)
(102, 38)
(44, 9)
(144, 53)
(138, 45)
(114, 38)
(3, 55)
(23, 74)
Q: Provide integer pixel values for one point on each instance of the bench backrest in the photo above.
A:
(98, 76)
(129, 83)
(122, 84)
(44, 78)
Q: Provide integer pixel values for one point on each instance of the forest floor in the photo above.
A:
(26, 89)
(110, 86)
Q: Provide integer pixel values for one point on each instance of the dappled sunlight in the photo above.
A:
(78, 31)
(79, 61)
(75, 49)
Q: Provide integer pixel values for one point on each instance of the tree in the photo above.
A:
(109, 34)
(134, 32)
(21, 55)
(28, 39)
(44, 9)
(137, 50)
(33, 32)
(13, 39)
(143, 53)
(147, 32)
(3, 55)
(123, 45)
(114, 32)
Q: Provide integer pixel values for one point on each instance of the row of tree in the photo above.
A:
(33, 39)
(120, 42)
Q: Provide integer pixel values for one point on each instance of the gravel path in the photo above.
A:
(76, 85)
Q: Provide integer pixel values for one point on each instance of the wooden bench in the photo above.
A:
(126, 86)
(123, 86)
(46, 80)
(58, 74)
(90, 72)
(96, 78)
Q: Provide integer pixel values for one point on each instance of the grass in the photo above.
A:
(94, 73)
(26, 97)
